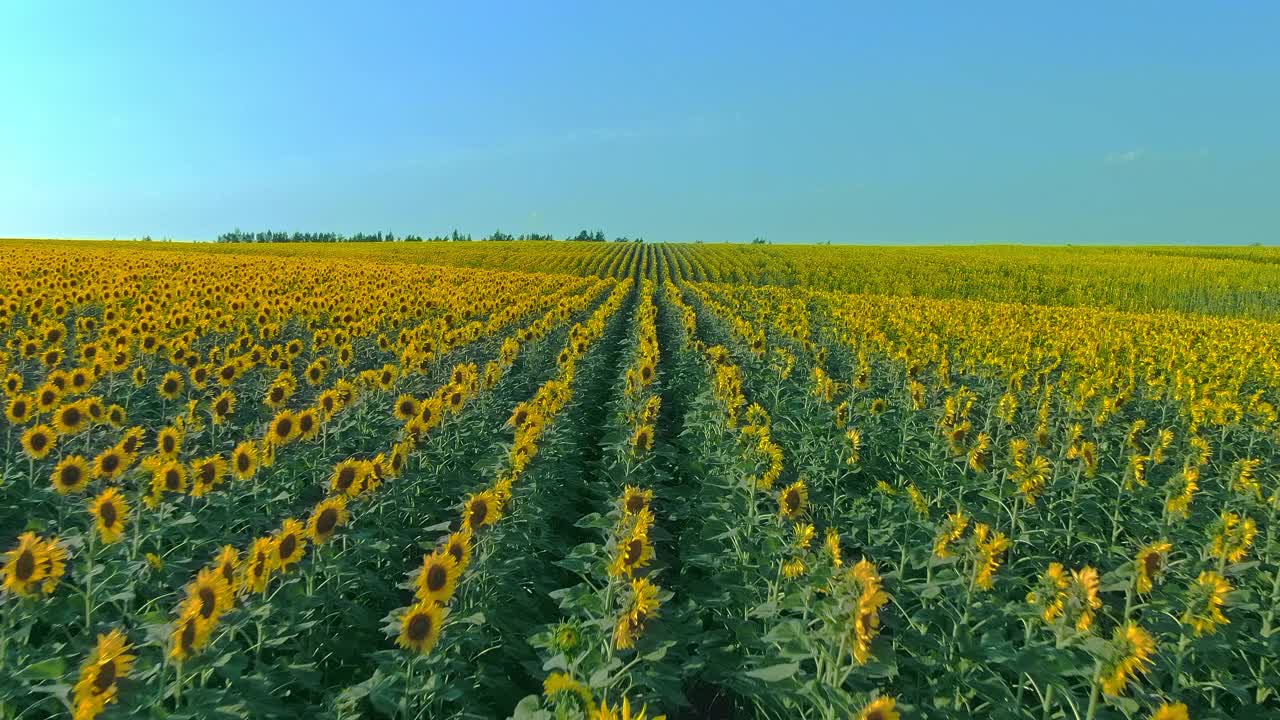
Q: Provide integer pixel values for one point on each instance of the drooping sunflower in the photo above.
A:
(792, 500)
(26, 565)
(1149, 563)
(481, 509)
(39, 441)
(290, 543)
(348, 477)
(171, 385)
(420, 627)
(832, 542)
(110, 513)
(635, 499)
(71, 475)
(1233, 536)
(1082, 597)
(244, 460)
(437, 579)
(98, 686)
(560, 685)
(326, 517)
(642, 606)
(1132, 648)
(1205, 599)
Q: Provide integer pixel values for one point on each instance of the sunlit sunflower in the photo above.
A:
(259, 565)
(481, 509)
(290, 543)
(116, 416)
(560, 685)
(1205, 599)
(98, 686)
(139, 376)
(632, 553)
(458, 546)
(348, 477)
(170, 386)
(26, 565)
(282, 428)
(406, 408)
(882, 708)
(1132, 648)
(1233, 536)
(169, 443)
(110, 513)
(326, 517)
(39, 441)
(223, 406)
(190, 632)
(832, 542)
(211, 595)
(792, 500)
(244, 460)
(20, 410)
(167, 477)
(71, 475)
(641, 607)
(308, 423)
(1149, 563)
(1171, 711)
(642, 439)
(437, 578)
(206, 474)
(131, 441)
(635, 499)
(70, 418)
(46, 398)
(420, 626)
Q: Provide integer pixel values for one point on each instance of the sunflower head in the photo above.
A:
(110, 513)
(326, 518)
(420, 627)
(71, 475)
(38, 441)
(437, 578)
(792, 500)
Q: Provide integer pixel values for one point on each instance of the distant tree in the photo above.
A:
(759, 241)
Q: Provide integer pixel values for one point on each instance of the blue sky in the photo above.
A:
(1136, 122)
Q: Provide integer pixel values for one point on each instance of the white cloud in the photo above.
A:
(1126, 157)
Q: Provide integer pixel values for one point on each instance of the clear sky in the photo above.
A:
(920, 122)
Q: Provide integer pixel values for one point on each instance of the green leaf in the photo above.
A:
(774, 673)
(51, 669)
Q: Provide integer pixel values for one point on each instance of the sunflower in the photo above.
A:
(260, 565)
(1171, 711)
(290, 544)
(39, 441)
(206, 474)
(210, 593)
(348, 477)
(1082, 597)
(406, 408)
(832, 542)
(131, 442)
(420, 626)
(97, 686)
(458, 546)
(1205, 600)
(169, 442)
(283, 428)
(437, 579)
(278, 394)
(882, 708)
(26, 565)
(481, 509)
(12, 384)
(139, 376)
(190, 632)
(308, 424)
(223, 406)
(110, 513)
(642, 439)
(559, 684)
(20, 409)
(170, 386)
(116, 416)
(168, 477)
(244, 460)
(399, 456)
(1233, 537)
(1149, 563)
(635, 499)
(326, 517)
(632, 553)
(70, 418)
(1132, 649)
(226, 564)
(71, 475)
(792, 500)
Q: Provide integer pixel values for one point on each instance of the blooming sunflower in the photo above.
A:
(110, 513)
(20, 409)
(635, 499)
(38, 441)
(458, 546)
(223, 406)
(882, 708)
(1149, 563)
(210, 593)
(206, 474)
(406, 408)
(832, 542)
(1205, 600)
(348, 477)
(326, 517)
(622, 712)
(190, 632)
(244, 460)
(226, 563)
(1132, 649)
(283, 428)
(290, 543)
(71, 475)
(1233, 537)
(259, 567)
(438, 578)
(632, 553)
(642, 439)
(1171, 711)
(792, 500)
(308, 424)
(420, 626)
(481, 509)
(170, 386)
(71, 418)
(97, 686)
(642, 606)
(169, 443)
(26, 565)
(950, 533)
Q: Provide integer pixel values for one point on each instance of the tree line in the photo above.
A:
(274, 236)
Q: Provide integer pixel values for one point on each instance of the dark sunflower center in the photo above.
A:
(419, 627)
(38, 441)
(875, 715)
(110, 462)
(455, 398)
(305, 423)
(455, 551)
(168, 443)
(479, 511)
(172, 481)
(284, 427)
(277, 394)
(242, 462)
(105, 677)
(131, 443)
(288, 544)
(208, 602)
(346, 476)
(71, 416)
(327, 521)
(406, 408)
(792, 501)
(188, 636)
(25, 566)
(70, 476)
(635, 504)
(170, 386)
(108, 515)
(633, 550)
(222, 407)
(228, 372)
(437, 576)
(1152, 563)
(208, 472)
(228, 571)
(521, 417)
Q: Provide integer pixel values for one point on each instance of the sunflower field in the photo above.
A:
(625, 481)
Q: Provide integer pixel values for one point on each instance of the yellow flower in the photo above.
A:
(562, 685)
(950, 533)
(438, 578)
(1149, 563)
(1171, 711)
(326, 517)
(71, 475)
(109, 663)
(883, 708)
(110, 513)
(792, 500)
(1234, 537)
(1132, 649)
(1205, 600)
